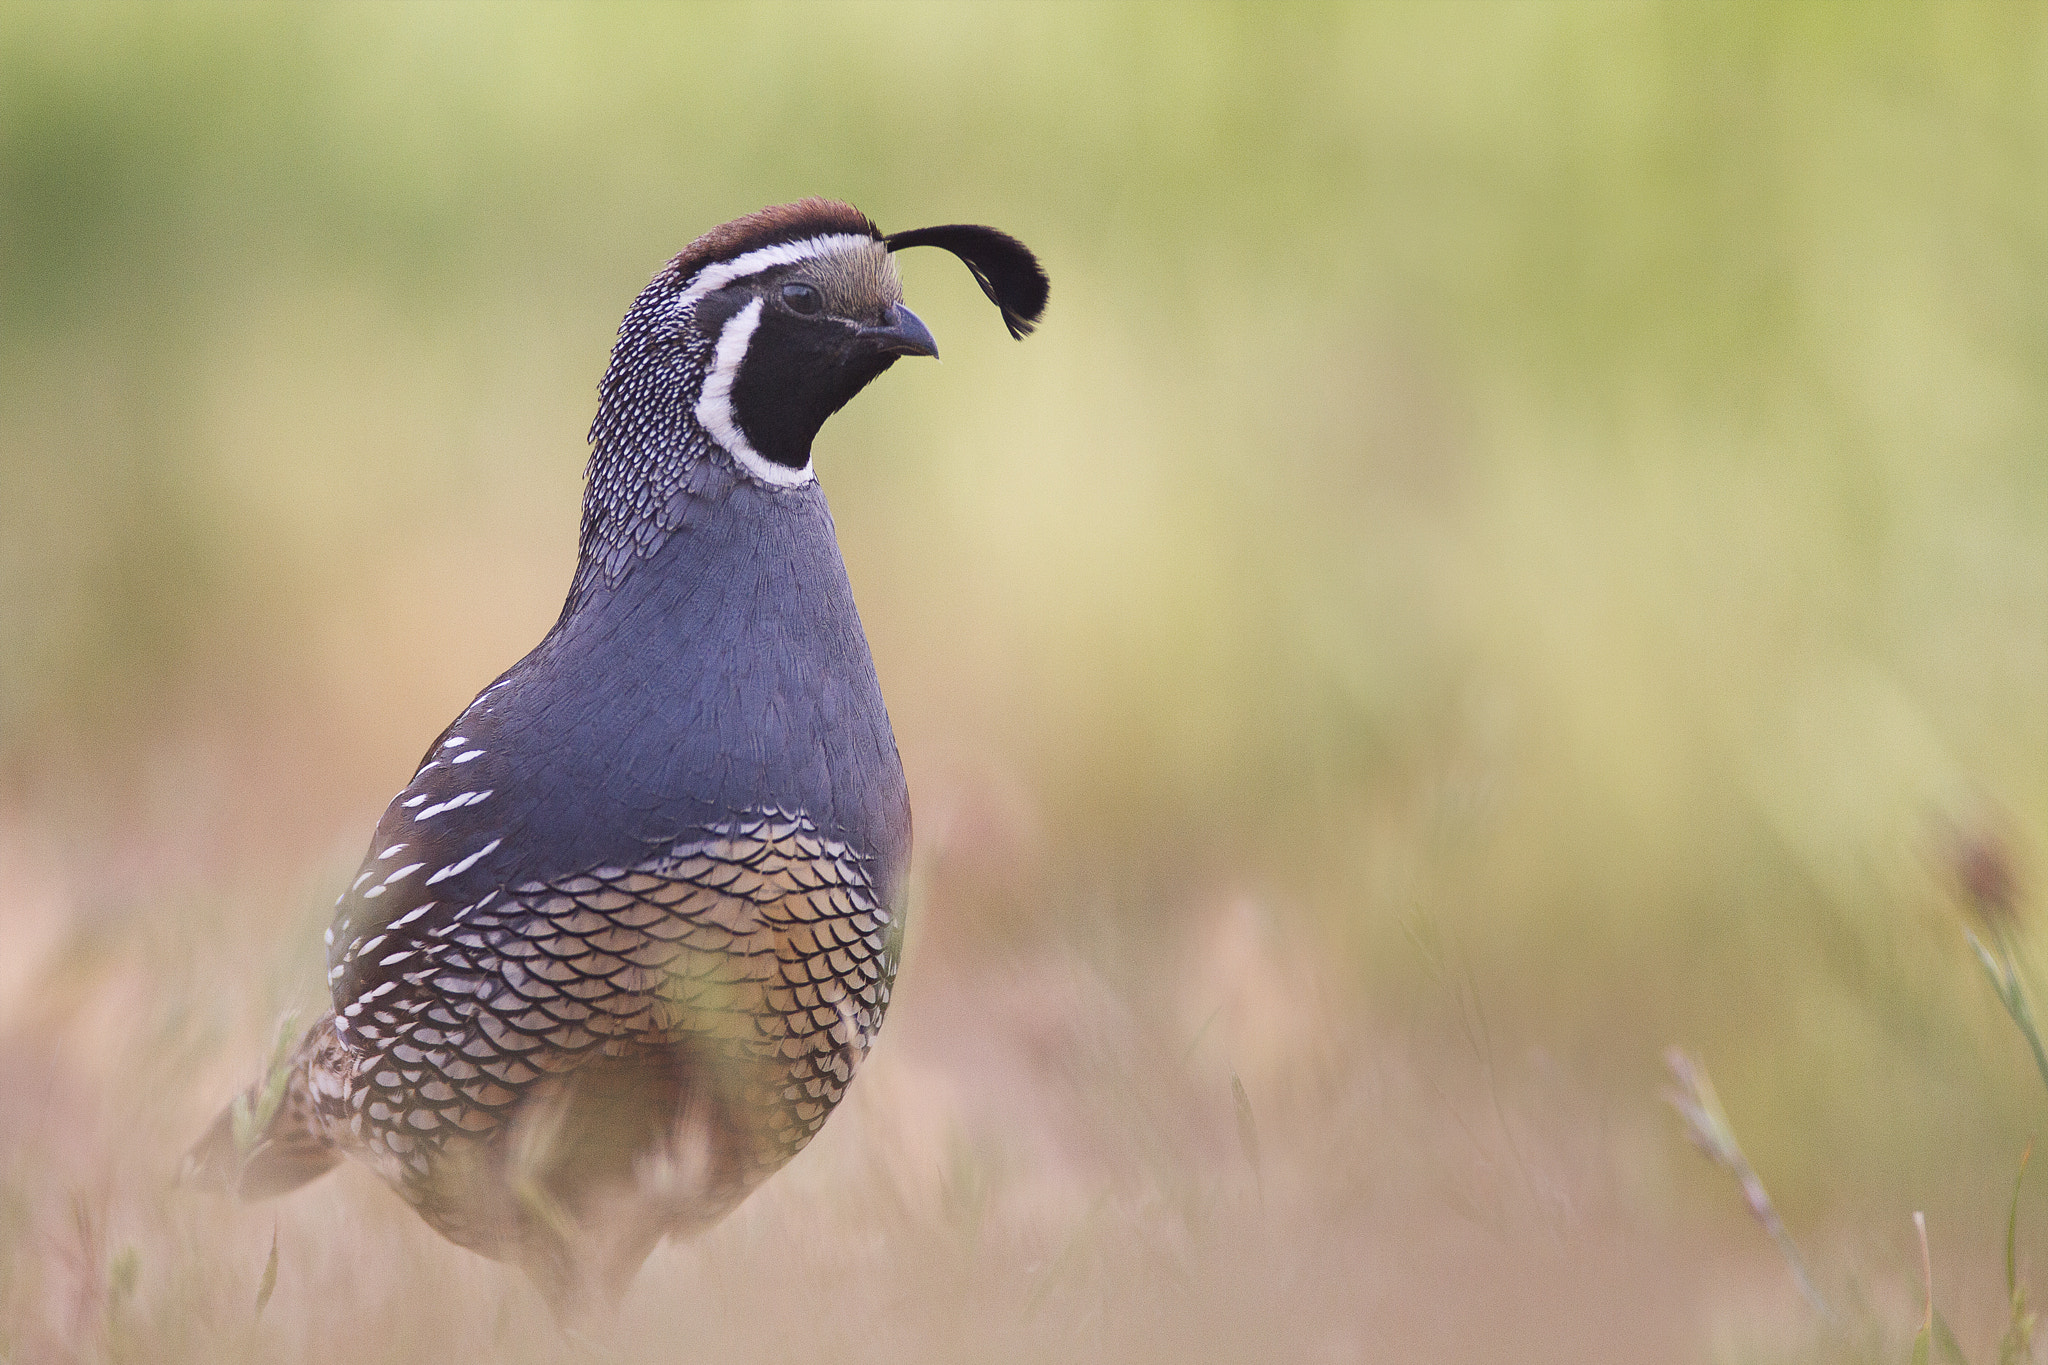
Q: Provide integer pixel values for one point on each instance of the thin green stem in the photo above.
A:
(2003, 969)
(1706, 1123)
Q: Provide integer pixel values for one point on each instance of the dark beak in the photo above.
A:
(902, 334)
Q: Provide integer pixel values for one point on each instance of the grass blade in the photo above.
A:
(269, 1284)
(1945, 1342)
(2012, 1224)
(1247, 1126)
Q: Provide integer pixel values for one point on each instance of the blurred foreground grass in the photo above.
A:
(1522, 524)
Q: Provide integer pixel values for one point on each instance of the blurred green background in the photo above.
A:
(1555, 490)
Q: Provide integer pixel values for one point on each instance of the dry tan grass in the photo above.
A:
(1037, 1165)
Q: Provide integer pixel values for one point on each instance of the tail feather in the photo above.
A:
(269, 1141)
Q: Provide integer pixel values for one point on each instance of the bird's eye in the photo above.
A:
(802, 298)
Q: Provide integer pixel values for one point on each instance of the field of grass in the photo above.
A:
(1521, 541)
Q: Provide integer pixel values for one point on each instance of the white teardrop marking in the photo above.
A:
(457, 869)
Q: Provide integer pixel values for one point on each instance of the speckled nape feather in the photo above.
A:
(619, 947)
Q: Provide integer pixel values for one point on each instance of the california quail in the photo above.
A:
(618, 947)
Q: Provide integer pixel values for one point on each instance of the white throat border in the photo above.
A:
(714, 405)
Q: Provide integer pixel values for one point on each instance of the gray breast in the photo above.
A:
(724, 678)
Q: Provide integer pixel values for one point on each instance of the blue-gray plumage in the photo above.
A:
(657, 729)
(617, 949)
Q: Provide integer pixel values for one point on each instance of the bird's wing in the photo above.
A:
(445, 841)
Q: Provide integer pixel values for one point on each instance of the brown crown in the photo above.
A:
(769, 226)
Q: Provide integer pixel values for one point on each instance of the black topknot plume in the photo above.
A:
(1003, 266)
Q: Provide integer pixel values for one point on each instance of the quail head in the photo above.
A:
(620, 945)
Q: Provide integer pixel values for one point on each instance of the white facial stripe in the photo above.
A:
(715, 277)
(714, 407)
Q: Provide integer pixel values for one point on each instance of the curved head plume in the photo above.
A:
(1003, 266)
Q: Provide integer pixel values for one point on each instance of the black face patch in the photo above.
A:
(715, 310)
(798, 372)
